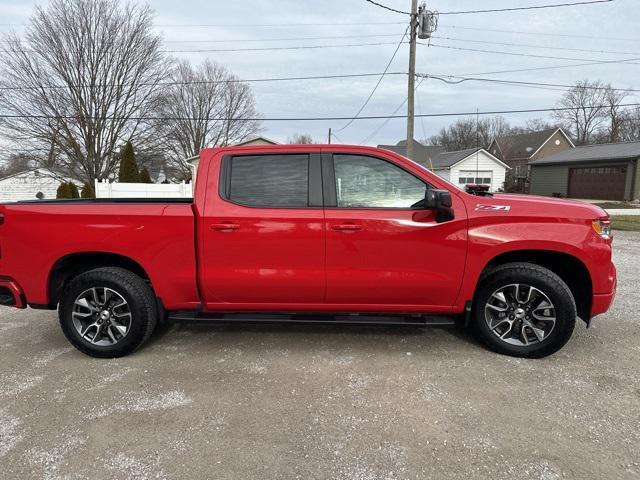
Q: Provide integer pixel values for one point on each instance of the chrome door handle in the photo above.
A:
(347, 227)
(221, 227)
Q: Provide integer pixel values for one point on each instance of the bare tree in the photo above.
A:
(205, 106)
(533, 125)
(458, 136)
(15, 163)
(584, 112)
(470, 132)
(81, 80)
(630, 127)
(301, 139)
(614, 113)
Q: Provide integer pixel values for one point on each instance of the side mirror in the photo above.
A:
(440, 201)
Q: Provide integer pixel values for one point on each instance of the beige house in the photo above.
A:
(195, 161)
(519, 150)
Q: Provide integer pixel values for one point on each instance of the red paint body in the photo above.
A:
(219, 256)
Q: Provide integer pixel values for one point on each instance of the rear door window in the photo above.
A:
(269, 180)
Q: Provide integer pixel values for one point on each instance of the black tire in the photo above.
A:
(133, 289)
(547, 282)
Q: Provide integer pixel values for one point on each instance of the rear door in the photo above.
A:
(263, 232)
(381, 249)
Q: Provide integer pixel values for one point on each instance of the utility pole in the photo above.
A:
(423, 24)
(329, 135)
(413, 27)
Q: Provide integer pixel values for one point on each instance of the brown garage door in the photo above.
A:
(599, 183)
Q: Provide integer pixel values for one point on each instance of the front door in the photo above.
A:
(381, 248)
(262, 233)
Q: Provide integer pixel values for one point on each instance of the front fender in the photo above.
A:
(577, 239)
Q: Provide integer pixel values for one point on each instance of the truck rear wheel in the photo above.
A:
(107, 312)
(523, 310)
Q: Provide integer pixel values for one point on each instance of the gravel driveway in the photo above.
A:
(340, 403)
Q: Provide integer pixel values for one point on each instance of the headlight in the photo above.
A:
(602, 227)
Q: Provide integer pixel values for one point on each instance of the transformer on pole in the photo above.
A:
(427, 22)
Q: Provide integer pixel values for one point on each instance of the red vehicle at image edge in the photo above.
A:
(311, 233)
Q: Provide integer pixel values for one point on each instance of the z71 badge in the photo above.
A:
(492, 208)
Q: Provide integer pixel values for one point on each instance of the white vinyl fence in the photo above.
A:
(105, 189)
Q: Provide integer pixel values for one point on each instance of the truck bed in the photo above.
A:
(37, 237)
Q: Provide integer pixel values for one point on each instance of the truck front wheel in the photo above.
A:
(107, 312)
(523, 310)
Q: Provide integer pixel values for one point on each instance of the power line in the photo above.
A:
(387, 8)
(247, 25)
(337, 37)
(286, 39)
(424, 131)
(309, 119)
(348, 45)
(550, 67)
(540, 34)
(378, 83)
(259, 49)
(210, 82)
(275, 25)
(529, 45)
(520, 54)
(317, 77)
(531, 7)
(449, 79)
(333, 135)
(462, 79)
(383, 124)
(262, 49)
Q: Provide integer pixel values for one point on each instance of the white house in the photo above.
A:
(28, 185)
(471, 166)
(462, 167)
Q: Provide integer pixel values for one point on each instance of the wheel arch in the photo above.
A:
(70, 266)
(568, 267)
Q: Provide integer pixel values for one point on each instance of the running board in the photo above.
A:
(310, 319)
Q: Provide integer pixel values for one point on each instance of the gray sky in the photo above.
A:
(611, 27)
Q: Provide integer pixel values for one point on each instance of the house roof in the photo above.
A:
(448, 159)
(592, 153)
(36, 171)
(524, 145)
(422, 153)
(435, 157)
(6, 177)
(41, 173)
(257, 138)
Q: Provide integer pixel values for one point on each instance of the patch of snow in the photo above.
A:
(141, 402)
(9, 433)
(14, 384)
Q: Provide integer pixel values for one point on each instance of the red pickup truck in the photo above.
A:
(311, 233)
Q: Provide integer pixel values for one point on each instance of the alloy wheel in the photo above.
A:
(520, 314)
(101, 316)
